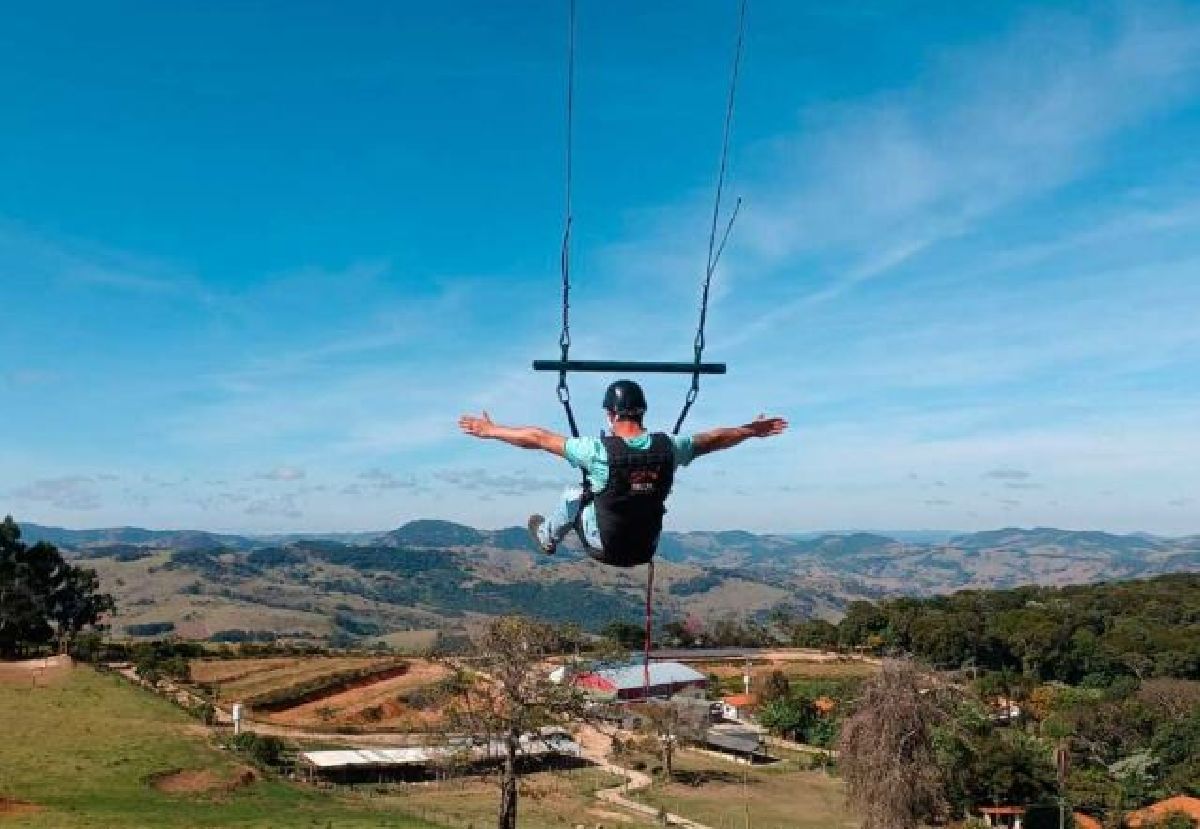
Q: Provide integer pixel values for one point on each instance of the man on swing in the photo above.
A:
(618, 512)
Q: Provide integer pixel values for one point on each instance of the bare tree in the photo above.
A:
(886, 751)
(508, 696)
(671, 721)
(662, 720)
(1176, 698)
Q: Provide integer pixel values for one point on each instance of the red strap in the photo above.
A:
(649, 628)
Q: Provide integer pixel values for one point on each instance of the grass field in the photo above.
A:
(730, 674)
(82, 752)
(409, 641)
(721, 794)
(548, 800)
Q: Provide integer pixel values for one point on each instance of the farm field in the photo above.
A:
(394, 693)
(89, 750)
(243, 679)
(409, 641)
(719, 794)
(730, 672)
(393, 702)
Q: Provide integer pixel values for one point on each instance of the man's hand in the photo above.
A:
(764, 427)
(480, 427)
(715, 440)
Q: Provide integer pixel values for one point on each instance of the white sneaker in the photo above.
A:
(535, 526)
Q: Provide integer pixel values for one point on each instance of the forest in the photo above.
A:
(1086, 635)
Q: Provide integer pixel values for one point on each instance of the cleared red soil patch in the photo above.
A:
(374, 702)
(199, 781)
(8, 806)
(35, 671)
(338, 688)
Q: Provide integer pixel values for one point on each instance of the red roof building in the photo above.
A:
(627, 682)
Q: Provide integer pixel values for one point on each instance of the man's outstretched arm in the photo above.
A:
(526, 437)
(715, 440)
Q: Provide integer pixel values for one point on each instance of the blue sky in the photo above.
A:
(257, 257)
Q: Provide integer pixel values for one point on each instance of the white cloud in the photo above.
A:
(87, 265)
(73, 492)
(1008, 474)
(282, 473)
(381, 479)
(864, 188)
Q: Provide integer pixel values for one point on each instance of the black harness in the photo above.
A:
(630, 508)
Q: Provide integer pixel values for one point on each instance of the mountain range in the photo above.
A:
(431, 574)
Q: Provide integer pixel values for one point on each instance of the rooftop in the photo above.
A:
(531, 746)
(661, 673)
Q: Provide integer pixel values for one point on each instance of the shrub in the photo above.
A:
(264, 750)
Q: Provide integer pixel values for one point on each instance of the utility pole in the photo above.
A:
(1062, 765)
(745, 792)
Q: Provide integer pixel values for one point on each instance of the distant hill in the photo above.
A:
(426, 533)
(179, 539)
(439, 574)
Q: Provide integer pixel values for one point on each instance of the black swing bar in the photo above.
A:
(628, 366)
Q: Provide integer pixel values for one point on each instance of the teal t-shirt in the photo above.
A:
(588, 454)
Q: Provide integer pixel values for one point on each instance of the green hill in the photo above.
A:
(99, 767)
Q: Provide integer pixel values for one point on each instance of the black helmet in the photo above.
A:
(625, 397)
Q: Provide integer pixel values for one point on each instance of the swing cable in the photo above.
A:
(714, 249)
(564, 338)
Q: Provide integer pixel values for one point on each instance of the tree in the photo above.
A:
(676, 634)
(776, 686)
(77, 603)
(43, 599)
(862, 620)
(815, 633)
(671, 721)
(663, 719)
(1013, 767)
(887, 753)
(787, 716)
(625, 634)
(510, 695)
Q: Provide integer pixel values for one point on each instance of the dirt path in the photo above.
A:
(596, 746)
